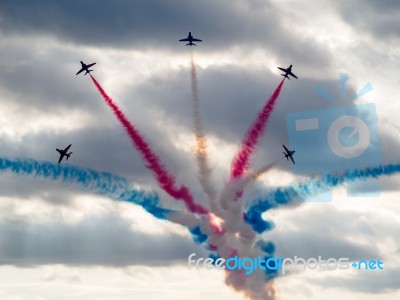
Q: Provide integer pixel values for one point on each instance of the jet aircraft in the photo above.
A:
(64, 153)
(85, 67)
(287, 71)
(190, 39)
(289, 154)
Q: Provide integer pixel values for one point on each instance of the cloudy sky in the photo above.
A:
(58, 242)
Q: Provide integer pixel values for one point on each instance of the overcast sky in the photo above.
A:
(58, 240)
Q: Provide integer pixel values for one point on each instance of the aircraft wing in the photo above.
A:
(80, 71)
(88, 66)
(185, 40)
(196, 40)
(290, 73)
(287, 150)
(282, 69)
(291, 158)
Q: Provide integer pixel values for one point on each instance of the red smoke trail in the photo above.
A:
(241, 159)
(165, 180)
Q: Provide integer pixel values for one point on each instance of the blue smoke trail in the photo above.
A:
(198, 236)
(102, 183)
(297, 192)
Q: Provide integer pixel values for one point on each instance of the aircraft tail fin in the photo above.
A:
(88, 71)
(68, 155)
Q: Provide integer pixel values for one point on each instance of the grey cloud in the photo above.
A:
(231, 98)
(379, 18)
(107, 150)
(389, 183)
(43, 81)
(147, 24)
(307, 244)
(332, 232)
(106, 147)
(327, 235)
(102, 240)
(372, 281)
(22, 188)
(63, 275)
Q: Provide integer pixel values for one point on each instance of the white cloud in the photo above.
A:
(145, 70)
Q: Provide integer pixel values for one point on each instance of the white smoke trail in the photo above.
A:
(224, 229)
(204, 170)
(240, 239)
